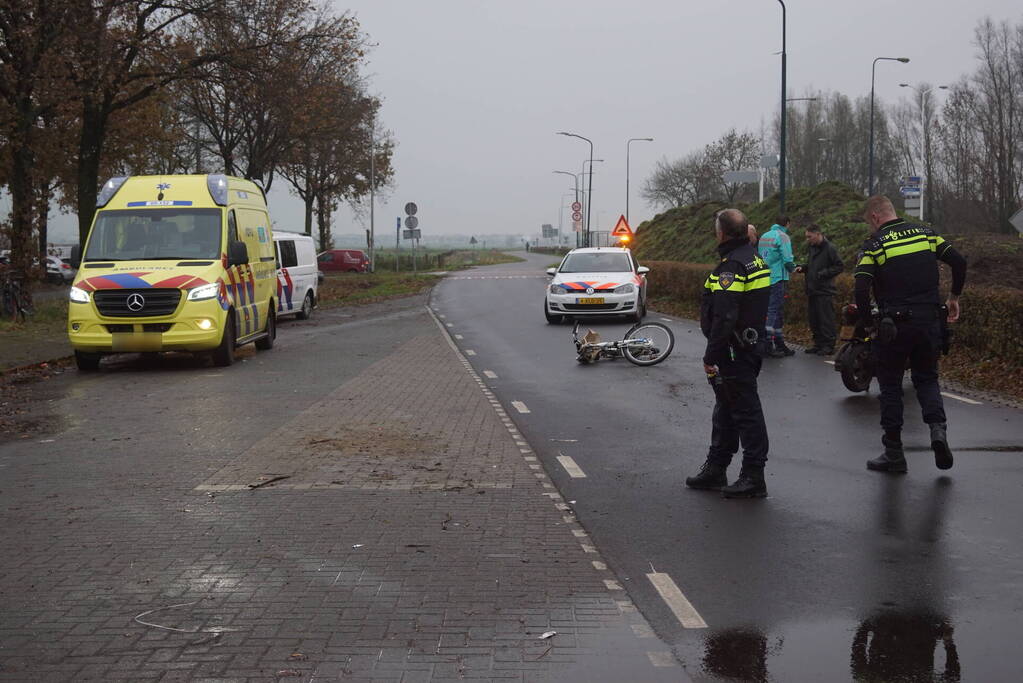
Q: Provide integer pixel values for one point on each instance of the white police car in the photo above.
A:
(596, 281)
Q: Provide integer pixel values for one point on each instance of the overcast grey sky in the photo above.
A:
(474, 91)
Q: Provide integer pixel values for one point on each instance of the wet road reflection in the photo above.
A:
(908, 637)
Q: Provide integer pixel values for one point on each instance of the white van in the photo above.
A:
(297, 276)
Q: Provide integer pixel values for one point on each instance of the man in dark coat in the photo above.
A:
(822, 266)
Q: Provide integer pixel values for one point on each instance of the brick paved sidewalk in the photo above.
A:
(415, 538)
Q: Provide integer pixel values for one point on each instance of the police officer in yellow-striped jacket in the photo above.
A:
(899, 262)
(732, 314)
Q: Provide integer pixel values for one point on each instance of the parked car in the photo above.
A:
(343, 261)
(59, 271)
(596, 281)
(297, 275)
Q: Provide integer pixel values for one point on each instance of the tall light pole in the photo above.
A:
(575, 178)
(781, 155)
(926, 151)
(870, 164)
(589, 199)
(627, 144)
(583, 176)
(372, 197)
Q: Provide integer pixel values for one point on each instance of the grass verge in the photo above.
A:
(357, 289)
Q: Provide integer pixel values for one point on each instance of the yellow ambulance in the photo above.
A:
(174, 263)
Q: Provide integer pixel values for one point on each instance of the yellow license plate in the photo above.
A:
(595, 300)
(137, 341)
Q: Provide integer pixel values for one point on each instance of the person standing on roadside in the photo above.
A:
(900, 263)
(823, 265)
(775, 248)
(732, 312)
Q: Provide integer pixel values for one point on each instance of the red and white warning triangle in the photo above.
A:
(622, 228)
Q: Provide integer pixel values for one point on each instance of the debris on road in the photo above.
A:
(548, 634)
(266, 481)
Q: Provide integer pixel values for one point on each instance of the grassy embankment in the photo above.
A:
(679, 245)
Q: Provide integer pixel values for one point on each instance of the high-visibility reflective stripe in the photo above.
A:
(914, 248)
(862, 272)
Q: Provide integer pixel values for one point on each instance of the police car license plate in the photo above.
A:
(594, 300)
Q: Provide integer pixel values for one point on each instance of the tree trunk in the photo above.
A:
(22, 200)
(90, 148)
(43, 216)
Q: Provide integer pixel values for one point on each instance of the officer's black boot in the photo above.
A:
(711, 477)
(750, 484)
(939, 444)
(785, 350)
(892, 460)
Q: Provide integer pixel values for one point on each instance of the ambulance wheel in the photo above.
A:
(267, 342)
(87, 362)
(223, 355)
(307, 307)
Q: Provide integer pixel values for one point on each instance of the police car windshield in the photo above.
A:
(155, 234)
(597, 262)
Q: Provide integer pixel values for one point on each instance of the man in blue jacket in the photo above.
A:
(775, 248)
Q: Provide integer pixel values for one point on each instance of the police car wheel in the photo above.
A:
(551, 319)
(307, 307)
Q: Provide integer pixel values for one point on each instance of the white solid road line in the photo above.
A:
(458, 336)
(682, 608)
(962, 398)
(830, 362)
(520, 406)
(573, 469)
(490, 374)
(666, 320)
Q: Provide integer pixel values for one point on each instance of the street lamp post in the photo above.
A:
(575, 178)
(586, 202)
(923, 139)
(781, 155)
(627, 145)
(870, 164)
(589, 198)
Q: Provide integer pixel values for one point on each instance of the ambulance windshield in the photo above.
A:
(155, 234)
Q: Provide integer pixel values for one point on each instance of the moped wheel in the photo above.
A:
(660, 342)
(857, 368)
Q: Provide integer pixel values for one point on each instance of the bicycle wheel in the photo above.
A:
(648, 343)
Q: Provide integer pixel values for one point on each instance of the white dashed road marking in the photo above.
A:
(961, 398)
(666, 320)
(571, 467)
(520, 406)
(490, 374)
(470, 352)
(677, 602)
(830, 362)
(458, 336)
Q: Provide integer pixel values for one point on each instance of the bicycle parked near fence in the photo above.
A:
(14, 303)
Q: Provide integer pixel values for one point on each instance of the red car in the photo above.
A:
(344, 261)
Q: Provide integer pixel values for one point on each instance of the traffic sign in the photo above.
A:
(622, 228)
(411, 222)
(909, 191)
(577, 215)
(1017, 221)
(411, 234)
(741, 176)
(577, 224)
(577, 207)
(472, 240)
(411, 208)
(912, 181)
(911, 203)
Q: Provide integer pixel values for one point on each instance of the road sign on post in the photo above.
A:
(733, 177)
(411, 208)
(622, 232)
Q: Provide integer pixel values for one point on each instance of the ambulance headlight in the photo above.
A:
(628, 288)
(79, 296)
(204, 292)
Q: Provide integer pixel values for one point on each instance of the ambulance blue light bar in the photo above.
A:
(110, 188)
(217, 184)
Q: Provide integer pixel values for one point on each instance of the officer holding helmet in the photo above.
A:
(900, 263)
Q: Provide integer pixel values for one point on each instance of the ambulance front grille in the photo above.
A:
(125, 303)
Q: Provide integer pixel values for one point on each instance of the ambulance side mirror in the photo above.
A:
(237, 253)
(76, 256)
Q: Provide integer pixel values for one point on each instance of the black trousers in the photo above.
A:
(821, 311)
(738, 416)
(919, 344)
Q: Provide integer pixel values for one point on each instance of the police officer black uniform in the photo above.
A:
(732, 314)
(900, 263)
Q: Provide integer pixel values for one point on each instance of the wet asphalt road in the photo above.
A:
(841, 573)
